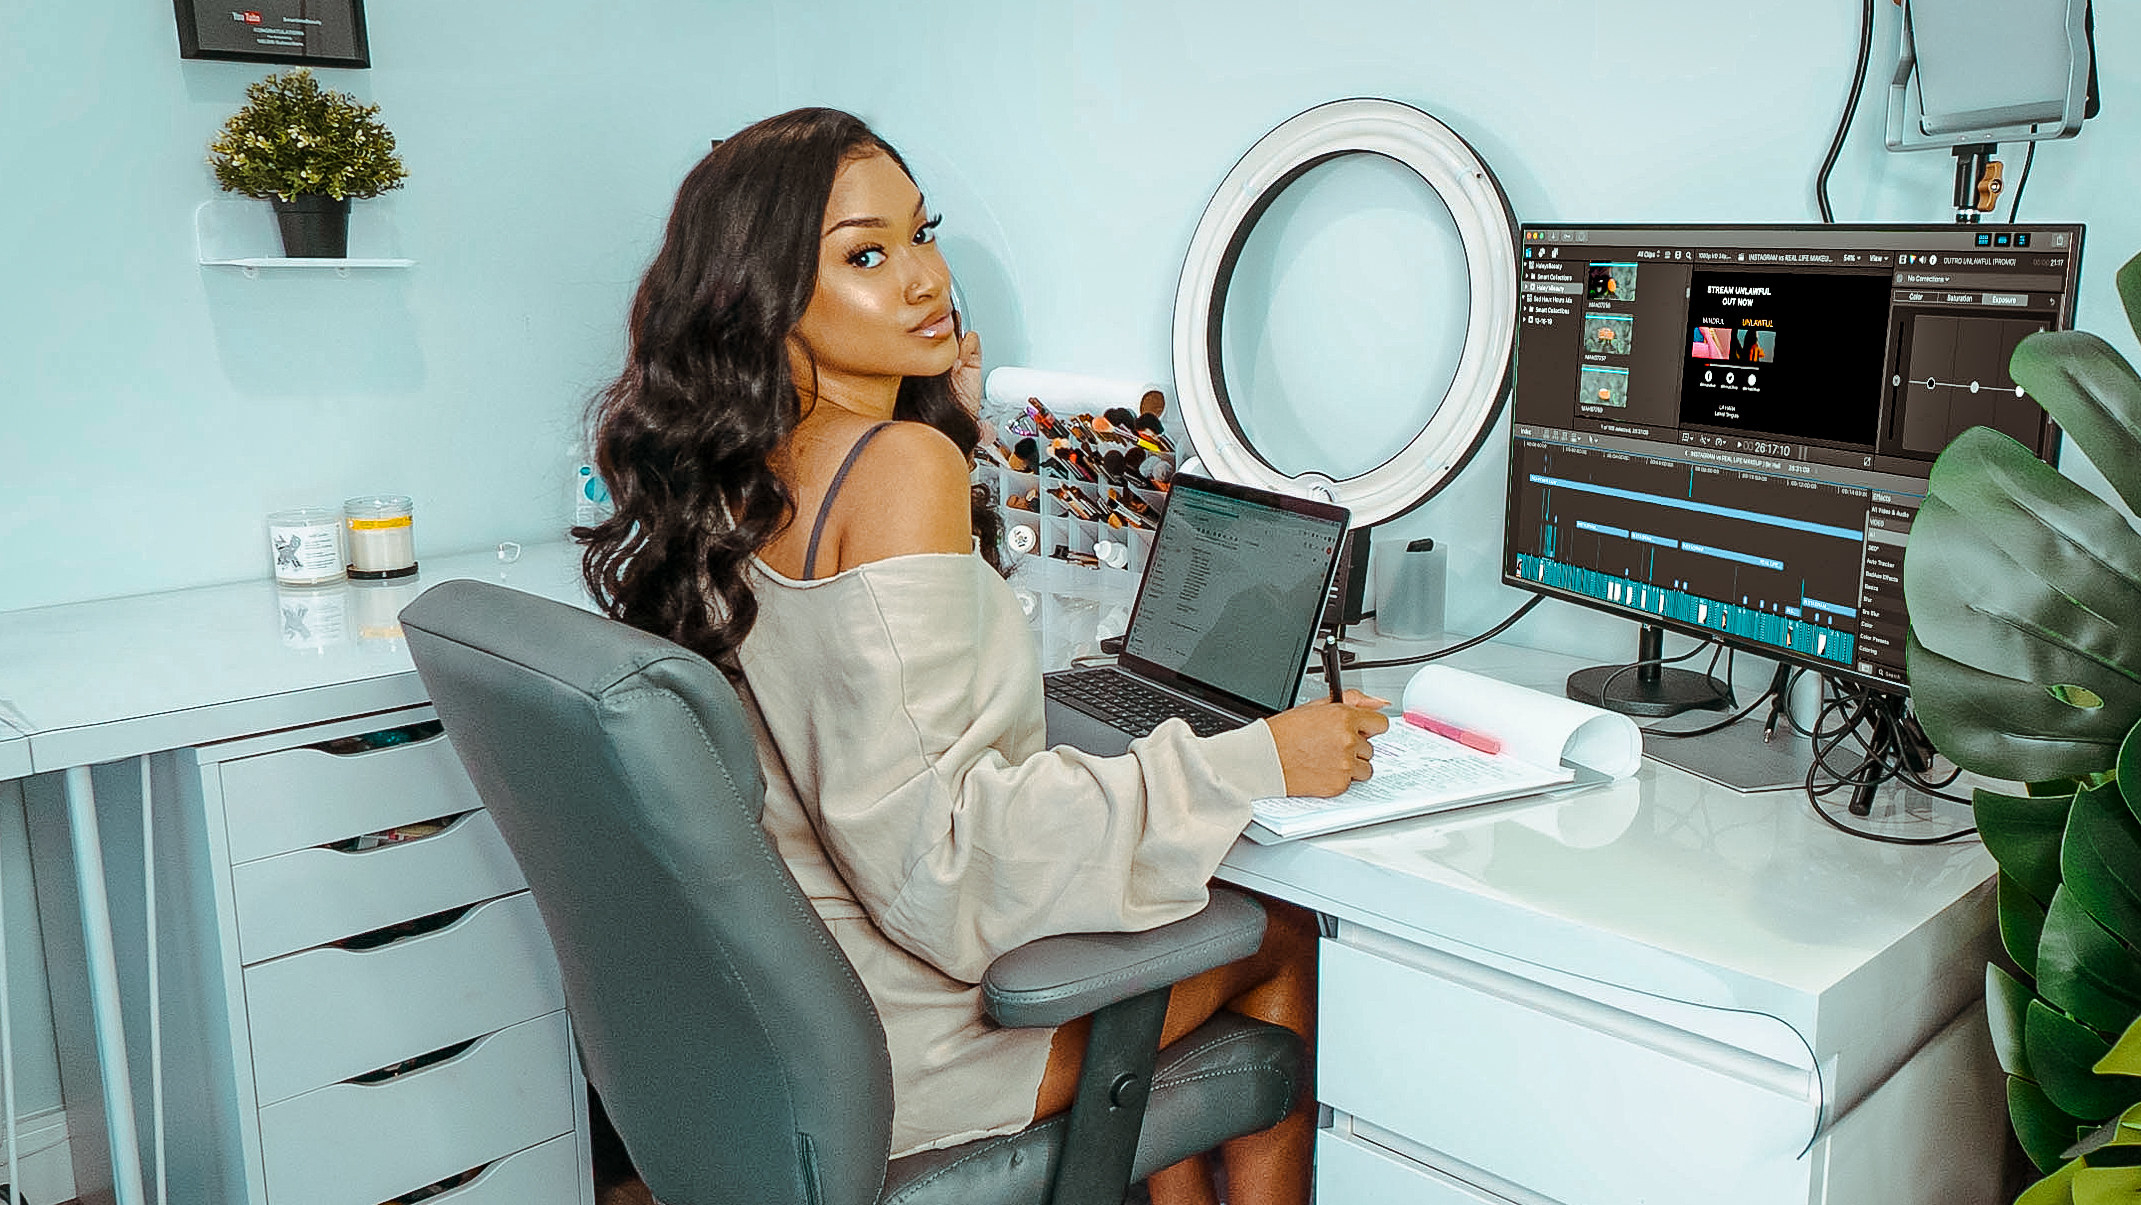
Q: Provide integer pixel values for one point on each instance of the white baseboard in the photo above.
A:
(44, 1157)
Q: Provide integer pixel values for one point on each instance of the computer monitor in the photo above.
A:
(1726, 430)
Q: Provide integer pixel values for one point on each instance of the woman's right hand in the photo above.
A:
(1323, 746)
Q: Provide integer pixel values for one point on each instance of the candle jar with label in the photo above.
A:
(307, 546)
(382, 541)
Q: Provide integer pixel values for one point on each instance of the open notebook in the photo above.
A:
(1465, 739)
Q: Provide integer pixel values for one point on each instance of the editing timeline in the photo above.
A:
(1729, 429)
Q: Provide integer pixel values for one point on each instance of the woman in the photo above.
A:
(788, 449)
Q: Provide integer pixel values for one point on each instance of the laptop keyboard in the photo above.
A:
(1131, 705)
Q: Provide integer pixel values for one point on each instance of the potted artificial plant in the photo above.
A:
(308, 151)
(2025, 664)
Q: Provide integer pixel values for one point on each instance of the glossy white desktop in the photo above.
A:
(1660, 990)
(1657, 991)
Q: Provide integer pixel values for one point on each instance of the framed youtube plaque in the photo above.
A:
(317, 33)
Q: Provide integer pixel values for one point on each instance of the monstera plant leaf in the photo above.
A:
(2024, 661)
(2025, 588)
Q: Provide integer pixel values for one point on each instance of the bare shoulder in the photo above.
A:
(907, 493)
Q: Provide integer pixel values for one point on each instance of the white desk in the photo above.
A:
(1717, 940)
(89, 684)
(14, 753)
(1655, 926)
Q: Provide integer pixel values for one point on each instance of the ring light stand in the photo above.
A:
(1460, 423)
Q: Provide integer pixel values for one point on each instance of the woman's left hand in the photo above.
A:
(966, 373)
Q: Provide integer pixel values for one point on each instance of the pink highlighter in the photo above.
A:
(1463, 736)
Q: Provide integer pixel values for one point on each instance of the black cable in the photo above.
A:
(1851, 106)
(1880, 759)
(1459, 647)
(2015, 202)
(1778, 693)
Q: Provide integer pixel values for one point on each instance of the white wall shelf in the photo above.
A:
(233, 232)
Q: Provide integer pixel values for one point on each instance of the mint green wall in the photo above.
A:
(1073, 148)
(152, 410)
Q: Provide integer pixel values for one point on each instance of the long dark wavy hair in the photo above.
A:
(684, 436)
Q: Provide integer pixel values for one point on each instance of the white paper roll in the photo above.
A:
(1071, 393)
(1532, 725)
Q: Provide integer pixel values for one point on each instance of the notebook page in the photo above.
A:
(1415, 771)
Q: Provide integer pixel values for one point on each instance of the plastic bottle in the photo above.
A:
(590, 494)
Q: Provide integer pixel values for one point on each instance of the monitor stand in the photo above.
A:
(1736, 756)
(1647, 688)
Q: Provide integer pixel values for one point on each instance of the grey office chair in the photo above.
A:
(729, 1039)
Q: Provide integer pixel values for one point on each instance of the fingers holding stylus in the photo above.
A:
(1324, 746)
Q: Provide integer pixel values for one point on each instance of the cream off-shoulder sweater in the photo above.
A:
(899, 722)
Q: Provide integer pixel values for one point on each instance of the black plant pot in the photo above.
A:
(314, 226)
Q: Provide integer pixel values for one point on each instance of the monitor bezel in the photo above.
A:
(2049, 449)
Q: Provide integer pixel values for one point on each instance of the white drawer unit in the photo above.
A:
(382, 1007)
(1587, 1103)
(326, 1147)
(305, 796)
(488, 968)
(309, 897)
(1452, 1082)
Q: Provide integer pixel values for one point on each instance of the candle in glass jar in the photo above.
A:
(382, 541)
(307, 546)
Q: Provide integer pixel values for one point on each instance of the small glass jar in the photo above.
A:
(382, 539)
(306, 543)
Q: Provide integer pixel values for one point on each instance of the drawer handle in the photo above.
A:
(431, 1192)
(387, 935)
(404, 834)
(410, 1066)
(385, 738)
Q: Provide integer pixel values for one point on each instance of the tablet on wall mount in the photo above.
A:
(314, 33)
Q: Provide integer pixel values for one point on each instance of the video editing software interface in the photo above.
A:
(1728, 429)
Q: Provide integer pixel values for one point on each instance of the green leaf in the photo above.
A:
(2021, 925)
(2100, 861)
(2089, 974)
(2124, 1057)
(2107, 1186)
(2007, 1000)
(2063, 1053)
(2021, 581)
(2094, 395)
(2129, 769)
(2055, 1189)
(2023, 835)
(2129, 279)
(2044, 1131)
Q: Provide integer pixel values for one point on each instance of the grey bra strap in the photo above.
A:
(810, 555)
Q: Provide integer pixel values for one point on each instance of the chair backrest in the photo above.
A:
(736, 1052)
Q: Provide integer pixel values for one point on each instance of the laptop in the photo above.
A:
(1229, 606)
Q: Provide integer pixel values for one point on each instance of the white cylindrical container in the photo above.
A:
(1409, 589)
(307, 545)
(382, 538)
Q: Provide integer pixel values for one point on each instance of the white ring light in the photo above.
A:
(1488, 230)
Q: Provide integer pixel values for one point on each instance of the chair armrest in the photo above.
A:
(1048, 982)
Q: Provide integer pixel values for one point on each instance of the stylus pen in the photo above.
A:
(1330, 667)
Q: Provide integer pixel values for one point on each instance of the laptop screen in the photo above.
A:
(1234, 590)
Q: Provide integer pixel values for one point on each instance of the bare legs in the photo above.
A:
(1276, 984)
